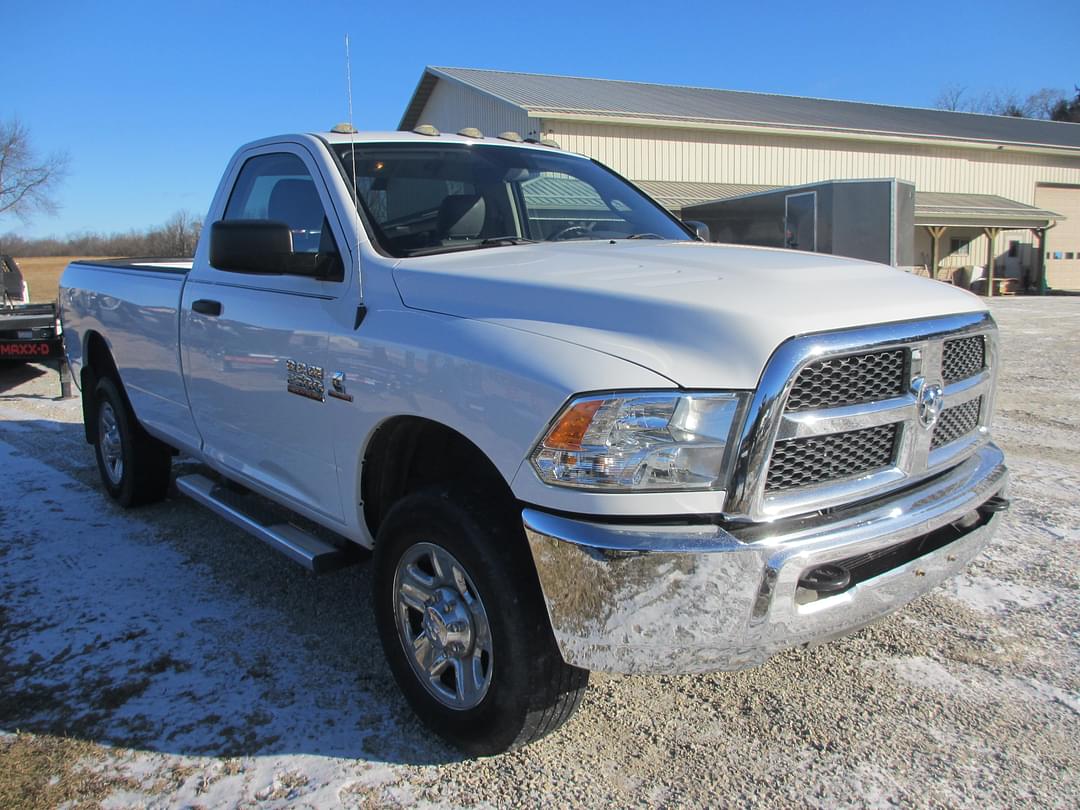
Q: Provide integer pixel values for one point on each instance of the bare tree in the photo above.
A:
(1040, 104)
(177, 238)
(952, 98)
(1044, 101)
(27, 183)
(1004, 102)
(1066, 109)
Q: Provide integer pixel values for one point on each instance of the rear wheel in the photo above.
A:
(134, 466)
(464, 627)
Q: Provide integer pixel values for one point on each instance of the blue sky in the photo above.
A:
(151, 98)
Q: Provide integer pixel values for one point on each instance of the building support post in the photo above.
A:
(936, 232)
(991, 240)
(1040, 264)
(1040, 259)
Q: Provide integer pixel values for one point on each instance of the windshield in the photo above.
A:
(422, 199)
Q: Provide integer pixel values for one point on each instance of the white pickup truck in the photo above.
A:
(576, 436)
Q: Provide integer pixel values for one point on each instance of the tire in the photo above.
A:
(134, 466)
(509, 685)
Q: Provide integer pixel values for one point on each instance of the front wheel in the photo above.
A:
(463, 624)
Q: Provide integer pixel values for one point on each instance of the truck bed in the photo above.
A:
(134, 304)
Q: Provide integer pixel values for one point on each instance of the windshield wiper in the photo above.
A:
(507, 240)
(644, 236)
(456, 247)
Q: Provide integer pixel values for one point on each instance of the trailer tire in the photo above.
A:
(484, 615)
(134, 466)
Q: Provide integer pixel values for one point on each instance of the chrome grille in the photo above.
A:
(956, 422)
(851, 380)
(963, 358)
(840, 416)
(817, 459)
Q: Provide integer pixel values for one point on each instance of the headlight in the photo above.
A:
(641, 442)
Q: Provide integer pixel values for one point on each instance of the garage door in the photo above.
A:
(1063, 240)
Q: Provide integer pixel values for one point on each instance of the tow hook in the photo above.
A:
(982, 513)
(826, 579)
(996, 504)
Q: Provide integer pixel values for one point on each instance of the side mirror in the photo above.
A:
(699, 229)
(251, 246)
(266, 247)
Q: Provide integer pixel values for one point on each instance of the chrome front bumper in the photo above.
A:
(680, 599)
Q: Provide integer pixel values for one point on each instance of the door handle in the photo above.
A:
(204, 306)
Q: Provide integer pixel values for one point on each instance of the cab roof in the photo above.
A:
(397, 136)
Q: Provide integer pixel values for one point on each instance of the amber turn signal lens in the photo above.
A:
(567, 434)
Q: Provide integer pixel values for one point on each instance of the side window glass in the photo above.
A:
(279, 188)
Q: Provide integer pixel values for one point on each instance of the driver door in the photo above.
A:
(255, 345)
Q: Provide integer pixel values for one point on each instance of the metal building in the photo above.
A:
(985, 185)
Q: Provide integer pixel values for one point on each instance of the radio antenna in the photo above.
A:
(352, 145)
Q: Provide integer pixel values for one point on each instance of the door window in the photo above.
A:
(279, 188)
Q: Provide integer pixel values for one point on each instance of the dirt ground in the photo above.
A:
(161, 658)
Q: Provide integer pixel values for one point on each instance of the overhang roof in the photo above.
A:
(603, 99)
(931, 207)
(943, 208)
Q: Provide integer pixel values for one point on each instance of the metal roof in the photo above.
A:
(563, 193)
(600, 99)
(678, 195)
(943, 208)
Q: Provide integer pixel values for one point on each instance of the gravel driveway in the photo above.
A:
(206, 670)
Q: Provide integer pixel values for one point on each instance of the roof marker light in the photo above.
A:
(470, 132)
(511, 136)
(343, 129)
(426, 129)
(550, 142)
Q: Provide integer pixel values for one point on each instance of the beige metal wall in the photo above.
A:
(662, 153)
(1063, 238)
(453, 106)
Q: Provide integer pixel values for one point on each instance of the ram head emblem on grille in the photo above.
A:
(930, 402)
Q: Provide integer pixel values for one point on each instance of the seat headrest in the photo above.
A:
(296, 202)
(461, 216)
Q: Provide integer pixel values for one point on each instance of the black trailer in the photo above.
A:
(28, 332)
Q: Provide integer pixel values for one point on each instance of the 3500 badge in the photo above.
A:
(305, 380)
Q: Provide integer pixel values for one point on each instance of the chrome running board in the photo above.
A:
(298, 545)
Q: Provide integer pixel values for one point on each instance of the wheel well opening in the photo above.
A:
(409, 453)
(98, 363)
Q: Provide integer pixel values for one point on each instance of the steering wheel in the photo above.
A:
(565, 232)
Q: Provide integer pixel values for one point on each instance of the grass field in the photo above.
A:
(42, 273)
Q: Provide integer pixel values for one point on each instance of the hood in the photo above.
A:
(702, 315)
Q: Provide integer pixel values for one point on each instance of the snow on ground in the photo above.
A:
(120, 625)
(995, 596)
